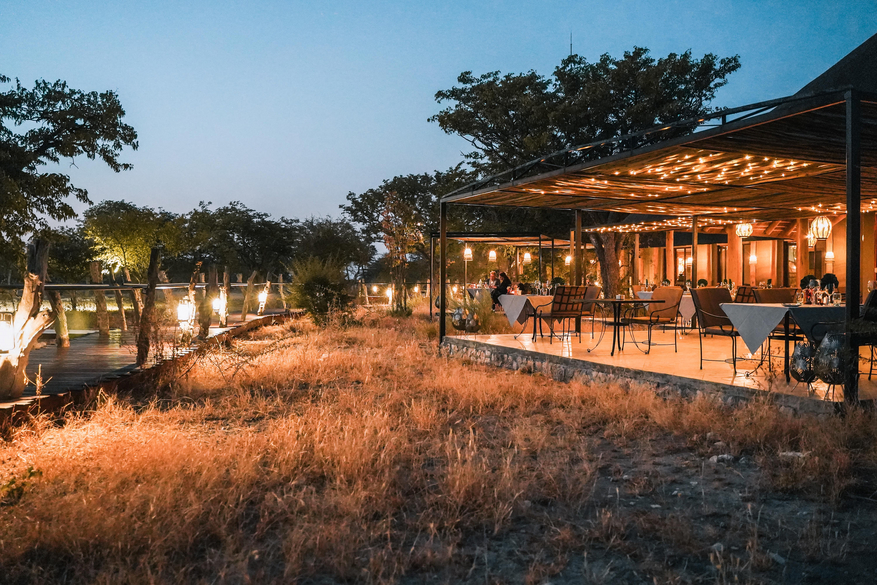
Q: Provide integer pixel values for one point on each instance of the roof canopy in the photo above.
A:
(780, 164)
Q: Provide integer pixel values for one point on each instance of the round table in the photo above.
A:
(616, 323)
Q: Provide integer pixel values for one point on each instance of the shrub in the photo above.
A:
(319, 286)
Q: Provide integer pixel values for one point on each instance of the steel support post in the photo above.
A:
(854, 239)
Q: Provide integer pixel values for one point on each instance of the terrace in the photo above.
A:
(776, 166)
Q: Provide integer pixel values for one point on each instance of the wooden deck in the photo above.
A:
(93, 360)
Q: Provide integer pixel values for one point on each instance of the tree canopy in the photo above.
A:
(38, 128)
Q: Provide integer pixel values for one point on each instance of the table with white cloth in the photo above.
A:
(686, 305)
(477, 294)
(756, 321)
(519, 308)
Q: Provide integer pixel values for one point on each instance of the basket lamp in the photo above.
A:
(743, 230)
(821, 227)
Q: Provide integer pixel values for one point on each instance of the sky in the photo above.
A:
(289, 105)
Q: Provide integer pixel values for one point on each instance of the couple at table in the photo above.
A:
(502, 287)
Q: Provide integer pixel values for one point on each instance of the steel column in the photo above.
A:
(854, 243)
(443, 268)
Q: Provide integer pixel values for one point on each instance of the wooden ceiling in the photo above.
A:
(776, 166)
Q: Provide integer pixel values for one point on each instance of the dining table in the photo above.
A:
(617, 323)
(520, 308)
(756, 321)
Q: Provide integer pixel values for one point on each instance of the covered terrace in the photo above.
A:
(775, 165)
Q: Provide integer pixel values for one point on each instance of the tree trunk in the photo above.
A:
(608, 248)
(100, 300)
(248, 297)
(147, 316)
(226, 288)
(135, 296)
(205, 310)
(27, 324)
(281, 291)
(120, 303)
(168, 293)
(62, 334)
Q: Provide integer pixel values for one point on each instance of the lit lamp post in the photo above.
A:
(467, 257)
(220, 307)
(263, 298)
(7, 335)
(186, 319)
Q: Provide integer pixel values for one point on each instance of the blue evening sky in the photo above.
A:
(288, 105)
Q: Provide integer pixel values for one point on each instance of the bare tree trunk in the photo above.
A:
(28, 322)
(121, 305)
(135, 296)
(608, 247)
(205, 310)
(147, 316)
(281, 291)
(62, 334)
(100, 300)
(248, 297)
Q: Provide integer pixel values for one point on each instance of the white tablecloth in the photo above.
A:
(686, 305)
(518, 308)
(477, 293)
(755, 321)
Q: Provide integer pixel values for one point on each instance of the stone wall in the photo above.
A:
(565, 369)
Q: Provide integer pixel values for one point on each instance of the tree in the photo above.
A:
(70, 256)
(238, 237)
(124, 234)
(400, 225)
(39, 127)
(513, 119)
(333, 239)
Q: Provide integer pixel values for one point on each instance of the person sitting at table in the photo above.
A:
(492, 280)
(502, 288)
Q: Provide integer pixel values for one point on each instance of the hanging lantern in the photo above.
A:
(821, 228)
(527, 258)
(491, 255)
(811, 239)
(744, 230)
(467, 254)
(568, 260)
(374, 288)
(829, 255)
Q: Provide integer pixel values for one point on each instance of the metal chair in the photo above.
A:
(711, 320)
(744, 294)
(565, 305)
(664, 314)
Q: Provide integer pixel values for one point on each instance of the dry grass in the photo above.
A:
(362, 455)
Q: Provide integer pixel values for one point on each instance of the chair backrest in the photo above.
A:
(564, 297)
(672, 296)
(869, 311)
(592, 292)
(775, 295)
(707, 303)
(744, 294)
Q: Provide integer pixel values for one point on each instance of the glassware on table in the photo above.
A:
(799, 297)
(835, 298)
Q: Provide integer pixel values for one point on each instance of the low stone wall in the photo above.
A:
(565, 369)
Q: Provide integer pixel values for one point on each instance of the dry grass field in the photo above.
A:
(362, 455)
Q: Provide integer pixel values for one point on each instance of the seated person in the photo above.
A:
(492, 280)
(502, 288)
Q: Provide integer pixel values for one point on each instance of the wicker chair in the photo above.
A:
(711, 320)
(664, 314)
(565, 305)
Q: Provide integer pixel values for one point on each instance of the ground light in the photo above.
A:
(7, 336)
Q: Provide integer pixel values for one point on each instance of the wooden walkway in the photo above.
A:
(91, 360)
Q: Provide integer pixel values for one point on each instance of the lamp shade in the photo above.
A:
(568, 260)
(467, 254)
(744, 230)
(527, 258)
(811, 239)
(491, 255)
(829, 255)
(753, 259)
(821, 227)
